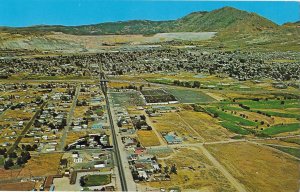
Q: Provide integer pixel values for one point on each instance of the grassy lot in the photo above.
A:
(276, 129)
(42, 165)
(194, 173)
(205, 125)
(190, 96)
(292, 151)
(96, 180)
(258, 168)
(147, 138)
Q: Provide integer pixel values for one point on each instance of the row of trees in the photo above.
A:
(191, 84)
(22, 159)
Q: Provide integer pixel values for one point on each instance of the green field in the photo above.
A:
(95, 180)
(292, 140)
(231, 118)
(190, 96)
(278, 114)
(271, 104)
(234, 128)
(292, 151)
(276, 129)
(127, 98)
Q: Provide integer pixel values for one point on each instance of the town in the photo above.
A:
(174, 106)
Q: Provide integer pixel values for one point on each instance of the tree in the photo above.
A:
(143, 117)
(196, 84)
(12, 155)
(20, 161)
(166, 169)
(119, 123)
(8, 163)
(3, 151)
(173, 169)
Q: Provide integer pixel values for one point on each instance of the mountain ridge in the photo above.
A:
(223, 19)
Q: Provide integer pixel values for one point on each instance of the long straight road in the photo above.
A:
(103, 84)
(69, 119)
(26, 128)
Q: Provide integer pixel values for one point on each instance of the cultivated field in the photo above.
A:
(127, 98)
(157, 96)
(190, 96)
(258, 168)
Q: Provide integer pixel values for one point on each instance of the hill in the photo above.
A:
(224, 19)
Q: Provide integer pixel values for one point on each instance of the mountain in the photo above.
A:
(224, 19)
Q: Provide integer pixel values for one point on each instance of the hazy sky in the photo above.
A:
(79, 12)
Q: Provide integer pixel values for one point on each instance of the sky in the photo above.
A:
(19, 13)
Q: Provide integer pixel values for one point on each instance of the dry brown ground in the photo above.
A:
(17, 114)
(80, 111)
(205, 125)
(279, 142)
(74, 135)
(9, 174)
(42, 165)
(147, 138)
(204, 175)
(20, 186)
(170, 122)
(258, 168)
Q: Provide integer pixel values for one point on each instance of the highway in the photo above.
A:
(103, 84)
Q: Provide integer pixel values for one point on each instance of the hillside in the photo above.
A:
(236, 29)
(224, 19)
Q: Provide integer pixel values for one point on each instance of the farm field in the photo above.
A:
(190, 96)
(250, 164)
(158, 96)
(147, 138)
(127, 98)
(245, 117)
(194, 172)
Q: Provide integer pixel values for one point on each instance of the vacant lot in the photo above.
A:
(258, 168)
(205, 125)
(190, 96)
(194, 172)
(170, 122)
(21, 186)
(42, 165)
(147, 138)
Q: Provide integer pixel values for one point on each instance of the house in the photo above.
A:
(77, 160)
